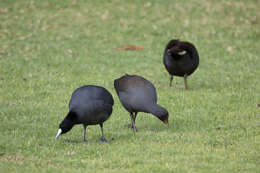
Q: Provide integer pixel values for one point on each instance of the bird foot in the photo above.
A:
(102, 139)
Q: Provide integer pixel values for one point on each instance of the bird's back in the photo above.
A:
(135, 92)
(86, 94)
(92, 104)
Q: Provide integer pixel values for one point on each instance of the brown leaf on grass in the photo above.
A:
(3, 10)
(130, 47)
(258, 105)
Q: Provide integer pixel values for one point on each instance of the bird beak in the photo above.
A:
(58, 134)
(182, 52)
(166, 122)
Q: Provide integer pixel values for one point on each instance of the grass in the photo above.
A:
(50, 48)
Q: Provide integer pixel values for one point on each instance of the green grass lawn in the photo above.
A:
(50, 48)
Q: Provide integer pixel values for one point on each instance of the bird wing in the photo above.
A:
(94, 111)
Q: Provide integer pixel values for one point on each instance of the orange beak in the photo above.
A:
(166, 122)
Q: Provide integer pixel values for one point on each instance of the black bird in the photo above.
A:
(180, 58)
(139, 95)
(89, 105)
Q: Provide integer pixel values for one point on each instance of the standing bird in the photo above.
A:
(180, 59)
(89, 105)
(139, 95)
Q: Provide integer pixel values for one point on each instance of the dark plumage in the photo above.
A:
(180, 59)
(89, 105)
(139, 95)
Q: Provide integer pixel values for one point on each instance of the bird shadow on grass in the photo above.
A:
(76, 141)
(177, 125)
(195, 87)
(180, 87)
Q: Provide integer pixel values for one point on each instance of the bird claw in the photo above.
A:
(103, 140)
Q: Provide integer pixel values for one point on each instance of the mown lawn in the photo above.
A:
(50, 48)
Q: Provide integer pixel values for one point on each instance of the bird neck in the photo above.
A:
(71, 116)
(67, 123)
(158, 111)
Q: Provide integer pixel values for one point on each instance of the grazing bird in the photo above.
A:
(180, 59)
(139, 95)
(89, 105)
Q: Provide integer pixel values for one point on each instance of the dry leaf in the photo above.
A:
(3, 10)
(130, 47)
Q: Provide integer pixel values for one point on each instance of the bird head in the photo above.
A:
(65, 126)
(164, 119)
(176, 51)
(162, 114)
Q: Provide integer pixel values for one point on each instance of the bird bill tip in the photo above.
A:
(58, 134)
(166, 122)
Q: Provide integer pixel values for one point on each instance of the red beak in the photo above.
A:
(166, 122)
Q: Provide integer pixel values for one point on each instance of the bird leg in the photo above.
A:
(171, 78)
(84, 133)
(133, 116)
(185, 81)
(102, 139)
